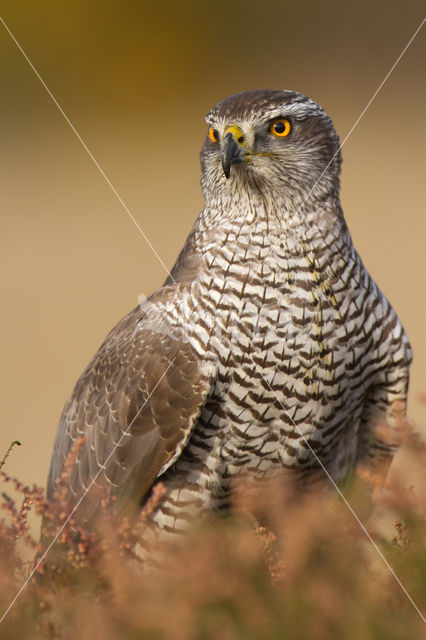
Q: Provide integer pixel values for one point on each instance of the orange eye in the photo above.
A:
(213, 135)
(281, 127)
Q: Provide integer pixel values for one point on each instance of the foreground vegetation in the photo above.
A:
(310, 573)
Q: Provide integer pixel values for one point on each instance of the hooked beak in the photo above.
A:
(233, 149)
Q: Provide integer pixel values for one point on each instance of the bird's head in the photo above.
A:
(272, 141)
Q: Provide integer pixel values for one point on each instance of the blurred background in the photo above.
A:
(136, 79)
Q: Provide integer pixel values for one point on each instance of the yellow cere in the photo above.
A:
(237, 133)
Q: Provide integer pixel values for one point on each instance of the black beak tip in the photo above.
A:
(231, 154)
(226, 170)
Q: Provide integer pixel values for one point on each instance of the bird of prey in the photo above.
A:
(269, 347)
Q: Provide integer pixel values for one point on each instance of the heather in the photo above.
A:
(280, 565)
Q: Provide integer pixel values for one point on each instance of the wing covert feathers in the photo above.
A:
(136, 404)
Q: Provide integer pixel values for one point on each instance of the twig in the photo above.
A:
(6, 455)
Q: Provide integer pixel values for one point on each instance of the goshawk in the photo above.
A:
(268, 348)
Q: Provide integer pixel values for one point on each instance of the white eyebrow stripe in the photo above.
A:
(300, 109)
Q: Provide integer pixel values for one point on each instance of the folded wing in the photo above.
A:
(136, 404)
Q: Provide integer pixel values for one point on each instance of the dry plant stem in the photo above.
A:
(6, 455)
(225, 581)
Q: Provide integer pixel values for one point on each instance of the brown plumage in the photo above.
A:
(268, 342)
(152, 388)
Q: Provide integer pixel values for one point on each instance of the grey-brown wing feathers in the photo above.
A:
(136, 404)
